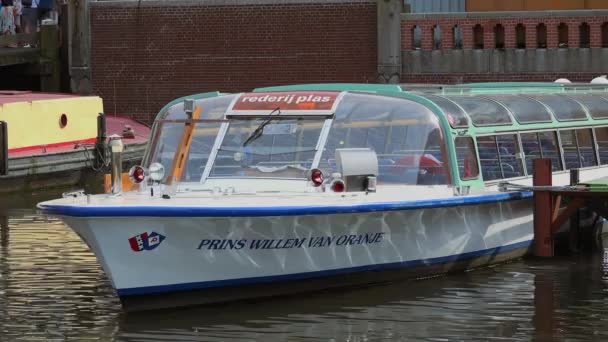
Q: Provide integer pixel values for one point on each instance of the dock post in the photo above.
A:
(116, 148)
(543, 238)
(574, 233)
(3, 230)
(100, 143)
(50, 78)
(3, 148)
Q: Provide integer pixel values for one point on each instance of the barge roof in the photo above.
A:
(13, 96)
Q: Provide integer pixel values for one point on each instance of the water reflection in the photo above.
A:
(527, 300)
(3, 230)
(51, 287)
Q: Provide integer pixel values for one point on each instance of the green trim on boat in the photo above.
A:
(364, 87)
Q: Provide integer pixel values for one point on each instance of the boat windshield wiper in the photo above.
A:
(258, 131)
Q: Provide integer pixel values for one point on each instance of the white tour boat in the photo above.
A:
(299, 188)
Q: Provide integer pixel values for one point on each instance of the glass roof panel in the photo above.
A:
(483, 111)
(563, 107)
(524, 109)
(212, 108)
(371, 107)
(596, 105)
(455, 114)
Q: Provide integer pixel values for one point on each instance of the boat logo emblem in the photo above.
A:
(146, 241)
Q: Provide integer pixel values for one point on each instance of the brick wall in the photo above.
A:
(145, 55)
(509, 21)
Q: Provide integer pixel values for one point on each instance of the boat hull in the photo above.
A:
(257, 291)
(55, 170)
(174, 261)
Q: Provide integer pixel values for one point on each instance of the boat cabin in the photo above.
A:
(458, 136)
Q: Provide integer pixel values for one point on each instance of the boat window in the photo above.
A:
(578, 148)
(541, 145)
(482, 111)
(466, 157)
(455, 115)
(202, 142)
(498, 157)
(166, 136)
(285, 149)
(563, 107)
(404, 134)
(524, 109)
(601, 134)
(596, 105)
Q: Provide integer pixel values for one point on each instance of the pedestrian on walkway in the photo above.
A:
(8, 14)
(29, 17)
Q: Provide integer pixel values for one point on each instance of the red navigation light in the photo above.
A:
(137, 174)
(316, 176)
(337, 186)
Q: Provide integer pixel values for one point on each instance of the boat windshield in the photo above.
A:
(285, 148)
(405, 136)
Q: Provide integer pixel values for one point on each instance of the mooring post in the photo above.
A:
(574, 233)
(100, 143)
(50, 78)
(3, 148)
(116, 148)
(543, 239)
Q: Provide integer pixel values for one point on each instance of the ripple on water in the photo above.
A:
(51, 288)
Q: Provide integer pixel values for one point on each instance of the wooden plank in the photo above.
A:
(572, 207)
(20, 38)
(182, 148)
(13, 56)
(557, 203)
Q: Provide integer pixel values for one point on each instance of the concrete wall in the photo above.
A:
(146, 53)
(533, 5)
(448, 64)
(505, 61)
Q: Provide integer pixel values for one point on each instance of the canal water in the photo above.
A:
(52, 289)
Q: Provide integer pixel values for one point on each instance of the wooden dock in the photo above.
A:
(554, 206)
(41, 57)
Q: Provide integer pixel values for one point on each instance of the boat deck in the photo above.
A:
(114, 125)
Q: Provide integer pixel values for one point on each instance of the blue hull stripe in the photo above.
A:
(202, 211)
(317, 274)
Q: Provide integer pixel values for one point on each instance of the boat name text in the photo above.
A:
(306, 242)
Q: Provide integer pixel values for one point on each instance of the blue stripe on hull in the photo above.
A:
(169, 211)
(317, 274)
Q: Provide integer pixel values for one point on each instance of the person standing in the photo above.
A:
(7, 20)
(18, 8)
(29, 17)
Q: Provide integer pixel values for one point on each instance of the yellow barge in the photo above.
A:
(49, 140)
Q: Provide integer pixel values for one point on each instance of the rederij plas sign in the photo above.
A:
(289, 103)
